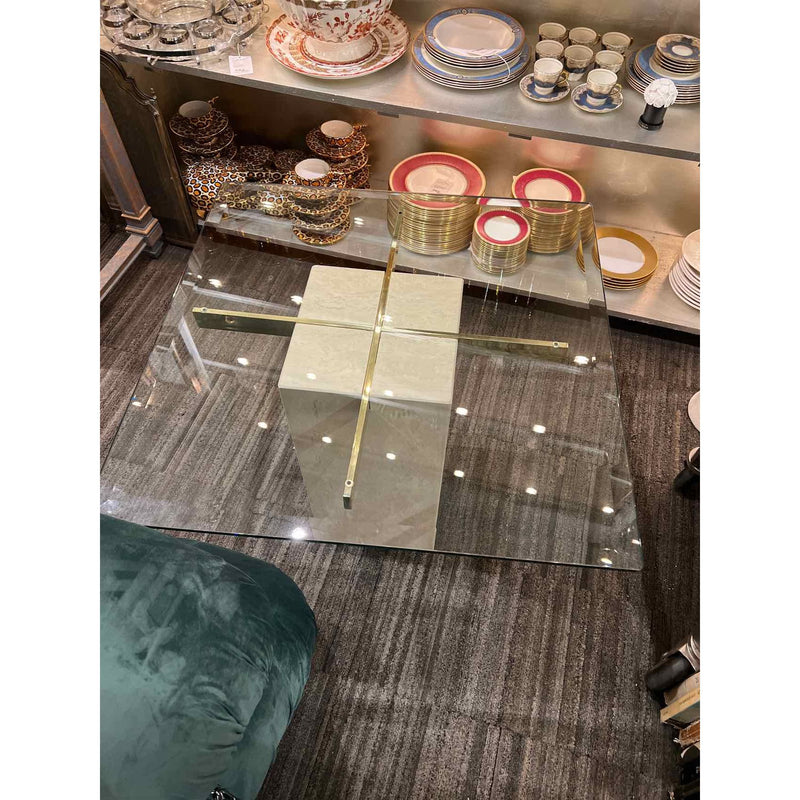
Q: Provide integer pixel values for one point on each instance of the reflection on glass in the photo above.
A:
(490, 412)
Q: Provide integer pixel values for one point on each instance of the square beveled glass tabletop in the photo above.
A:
(362, 392)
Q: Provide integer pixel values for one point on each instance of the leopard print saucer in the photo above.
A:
(184, 129)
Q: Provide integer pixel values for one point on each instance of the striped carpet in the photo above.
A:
(441, 676)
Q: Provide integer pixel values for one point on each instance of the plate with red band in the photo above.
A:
(546, 184)
(437, 173)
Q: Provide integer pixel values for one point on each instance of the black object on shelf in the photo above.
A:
(687, 481)
(674, 667)
(652, 117)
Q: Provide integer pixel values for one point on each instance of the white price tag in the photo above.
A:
(240, 65)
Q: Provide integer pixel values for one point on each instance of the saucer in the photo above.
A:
(611, 103)
(317, 144)
(205, 149)
(528, 88)
(285, 43)
(184, 129)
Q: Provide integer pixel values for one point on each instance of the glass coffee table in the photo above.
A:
(379, 390)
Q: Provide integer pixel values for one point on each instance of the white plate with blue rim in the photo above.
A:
(474, 35)
(580, 97)
(528, 88)
(459, 77)
(650, 69)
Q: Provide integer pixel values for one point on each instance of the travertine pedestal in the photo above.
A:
(396, 494)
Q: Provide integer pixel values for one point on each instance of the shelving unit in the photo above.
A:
(398, 91)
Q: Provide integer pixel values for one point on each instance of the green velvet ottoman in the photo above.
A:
(204, 656)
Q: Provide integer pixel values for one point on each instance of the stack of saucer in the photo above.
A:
(344, 147)
(202, 132)
(626, 260)
(549, 199)
(500, 241)
(434, 227)
(318, 215)
(684, 277)
(471, 48)
(675, 56)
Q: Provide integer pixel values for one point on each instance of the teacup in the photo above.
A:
(584, 36)
(609, 59)
(547, 74)
(577, 57)
(600, 83)
(616, 42)
(313, 172)
(338, 133)
(199, 113)
(549, 48)
(552, 30)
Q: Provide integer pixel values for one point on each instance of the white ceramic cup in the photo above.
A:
(616, 42)
(313, 172)
(547, 72)
(577, 58)
(600, 83)
(585, 36)
(337, 132)
(609, 59)
(552, 30)
(549, 48)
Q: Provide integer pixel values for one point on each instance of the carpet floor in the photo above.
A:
(441, 676)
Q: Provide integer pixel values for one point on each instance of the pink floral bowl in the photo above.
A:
(336, 21)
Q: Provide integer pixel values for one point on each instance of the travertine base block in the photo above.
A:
(396, 496)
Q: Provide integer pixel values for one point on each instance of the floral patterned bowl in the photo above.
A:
(338, 30)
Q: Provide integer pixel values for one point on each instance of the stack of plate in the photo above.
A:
(684, 277)
(547, 197)
(434, 227)
(500, 241)
(626, 260)
(471, 48)
(675, 56)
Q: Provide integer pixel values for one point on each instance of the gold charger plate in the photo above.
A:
(649, 255)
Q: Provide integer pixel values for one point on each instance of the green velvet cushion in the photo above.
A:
(204, 656)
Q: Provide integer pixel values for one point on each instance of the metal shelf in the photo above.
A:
(655, 303)
(544, 276)
(398, 89)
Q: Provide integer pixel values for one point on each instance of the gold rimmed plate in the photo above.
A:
(625, 255)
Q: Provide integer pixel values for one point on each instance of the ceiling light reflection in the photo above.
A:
(531, 490)
(608, 510)
(311, 376)
(296, 298)
(539, 429)
(461, 411)
(391, 456)
(243, 361)
(327, 439)
(459, 473)
(299, 533)
(215, 282)
(606, 560)
(581, 360)
(263, 425)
